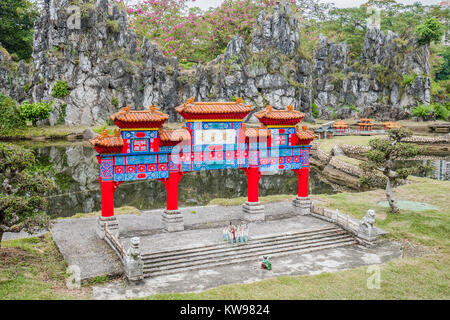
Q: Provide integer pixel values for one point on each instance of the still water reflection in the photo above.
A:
(75, 170)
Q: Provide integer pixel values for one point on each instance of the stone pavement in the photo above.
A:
(329, 260)
(79, 245)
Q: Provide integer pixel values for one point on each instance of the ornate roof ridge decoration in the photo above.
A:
(305, 136)
(150, 118)
(106, 143)
(174, 136)
(340, 124)
(235, 110)
(271, 116)
(390, 125)
(365, 120)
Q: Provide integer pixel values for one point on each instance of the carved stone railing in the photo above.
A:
(131, 259)
(363, 230)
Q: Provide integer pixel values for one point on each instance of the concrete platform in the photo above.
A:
(80, 246)
(330, 260)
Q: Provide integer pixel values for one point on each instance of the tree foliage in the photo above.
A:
(429, 30)
(381, 158)
(443, 71)
(36, 111)
(194, 35)
(16, 26)
(9, 115)
(21, 187)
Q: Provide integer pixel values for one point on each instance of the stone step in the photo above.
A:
(148, 272)
(224, 249)
(218, 254)
(252, 240)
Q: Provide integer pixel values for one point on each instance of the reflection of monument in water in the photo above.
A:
(441, 169)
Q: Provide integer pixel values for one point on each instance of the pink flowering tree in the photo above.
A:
(190, 33)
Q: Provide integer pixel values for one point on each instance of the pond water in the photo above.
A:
(75, 170)
(437, 168)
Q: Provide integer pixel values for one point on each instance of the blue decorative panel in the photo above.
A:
(106, 169)
(217, 125)
(165, 149)
(162, 158)
(185, 167)
(274, 152)
(263, 153)
(163, 174)
(119, 161)
(143, 159)
(285, 152)
(142, 134)
(253, 158)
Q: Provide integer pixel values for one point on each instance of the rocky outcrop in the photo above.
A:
(373, 85)
(106, 69)
(100, 62)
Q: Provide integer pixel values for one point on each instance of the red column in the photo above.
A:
(253, 176)
(303, 179)
(107, 191)
(171, 185)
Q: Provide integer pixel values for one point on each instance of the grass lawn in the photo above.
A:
(327, 144)
(58, 131)
(117, 211)
(33, 269)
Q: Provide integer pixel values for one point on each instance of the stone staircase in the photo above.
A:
(224, 253)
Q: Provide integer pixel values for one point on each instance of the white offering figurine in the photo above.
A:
(241, 233)
(238, 234)
(225, 234)
(245, 230)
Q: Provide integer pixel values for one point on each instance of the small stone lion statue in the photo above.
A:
(368, 221)
(134, 252)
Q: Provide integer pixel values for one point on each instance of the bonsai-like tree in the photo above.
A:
(21, 187)
(428, 31)
(381, 158)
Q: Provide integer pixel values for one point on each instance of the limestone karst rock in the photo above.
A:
(106, 70)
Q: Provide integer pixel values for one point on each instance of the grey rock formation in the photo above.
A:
(106, 70)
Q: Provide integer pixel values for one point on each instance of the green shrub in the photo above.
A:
(441, 112)
(430, 30)
(62, 114)
(422, 111)
(408, 79)
(60, 90)
(35, 111)
(315, 110)
(9, 114)
(115, 102)
(112, 26)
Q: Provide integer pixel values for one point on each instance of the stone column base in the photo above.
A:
(367, 238)
(253, 211)
(172, 220)
(111, 223)
(302, 205)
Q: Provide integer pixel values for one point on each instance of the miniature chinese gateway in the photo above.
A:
(214, 138)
